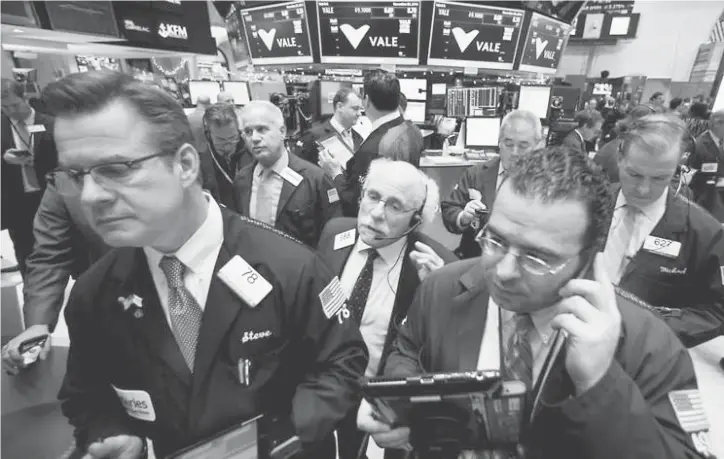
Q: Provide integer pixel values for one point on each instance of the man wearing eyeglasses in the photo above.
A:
(192, 324)
(662, 248)
(607, 395)
(381, 257)
(225, 153)
(469, 202)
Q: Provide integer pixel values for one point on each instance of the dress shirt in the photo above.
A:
(646, 221)
(384, 119)
(198, 254)
(345, 134)
(381, 300)
(30, 182)
(541, 338)
(276, 184)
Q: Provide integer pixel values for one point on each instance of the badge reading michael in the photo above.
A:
(345, 239)
(245, 281)
(137, 404)
(334, 301)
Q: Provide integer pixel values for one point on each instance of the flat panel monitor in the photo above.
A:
(415, 112)
(544, 44)
(565, 11)
(327, 90)
(239, 91)
(197, 88)
(482, 132)
(278, 34)
(535, 99)
(413, 88)
(369, 32)
(465, 35)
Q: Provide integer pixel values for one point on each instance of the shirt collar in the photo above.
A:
(652, 211)
(338, 127)
(29, 121)
(281, 164)
(716, 139)
(541, 321)
(389, 253)
(196, 250)
(385, 119)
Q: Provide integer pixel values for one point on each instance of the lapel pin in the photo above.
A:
(132, 300)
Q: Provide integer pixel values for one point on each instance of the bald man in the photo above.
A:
(279, 189)
(225, 98)
(384, 253)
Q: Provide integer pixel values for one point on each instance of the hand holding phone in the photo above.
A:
(17, 157)
(26, 348)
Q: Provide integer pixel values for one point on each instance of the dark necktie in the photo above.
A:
(185, 312)
(361, 289)
(518, 359)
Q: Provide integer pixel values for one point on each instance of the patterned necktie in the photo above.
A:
(264, 198)
(618, 242)
(361, 290)
(518, 359)
(185, 312)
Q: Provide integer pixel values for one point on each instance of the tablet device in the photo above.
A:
(237, 442)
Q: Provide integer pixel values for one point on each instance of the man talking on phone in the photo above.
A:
(624, 378)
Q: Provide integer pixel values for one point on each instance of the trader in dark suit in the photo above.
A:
(381, 102)
(28, 153)
(469, 203)
(661, 247)
(279, 188)
(708, 160)
(501, 311)
(225, 153)
(65, 246)
(198, 319)
(196, 120)
(347, 109)
(589, 127)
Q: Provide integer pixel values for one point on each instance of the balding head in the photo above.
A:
(225, 98)
(409, 197)
(262, 124)
(203, 102)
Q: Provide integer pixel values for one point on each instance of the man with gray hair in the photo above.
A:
(663, 249)
(279, 188)
(466, 209)
(381, 257)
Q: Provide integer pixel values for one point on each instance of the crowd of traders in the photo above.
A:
(221, 275)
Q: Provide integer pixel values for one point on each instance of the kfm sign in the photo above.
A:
(168, 30)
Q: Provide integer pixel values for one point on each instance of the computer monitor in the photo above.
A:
(239, 91)
(535, 99)
(413, 88)
(327, 91)
(204, 88)
(482, 132)
(415, 112)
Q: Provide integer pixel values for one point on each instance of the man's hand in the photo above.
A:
(12, 359)
(118, 447)
(330, 163)
(590, 316)
(18, 157)
(425, 260)
(472, 209)
(384, 435)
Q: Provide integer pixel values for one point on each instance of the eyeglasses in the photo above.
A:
(498, 249)
(392, 208)
(110, 176)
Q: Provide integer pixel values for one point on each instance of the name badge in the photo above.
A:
(291, 176)
(661, 246)
(332, 196)
(710, 167)
(245, 281)
(137, 404)
(720, 182)
(345, 239)
(32, 129)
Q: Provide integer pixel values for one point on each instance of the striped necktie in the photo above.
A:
(30, 180)
(518, 359)
(617, 245)
(185, 312)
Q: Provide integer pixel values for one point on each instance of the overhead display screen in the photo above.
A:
(544, 44)
(481, 36)
(278, 34)
(369, 32)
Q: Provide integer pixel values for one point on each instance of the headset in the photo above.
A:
(207, 133)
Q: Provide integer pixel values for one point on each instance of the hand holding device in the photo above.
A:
(589, 314)
(425, 260)
(116, 447)
(18, 157)
(24, 350)
(473, 208)
(329, 163)
(368, 420)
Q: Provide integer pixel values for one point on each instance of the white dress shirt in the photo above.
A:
(645, 222)
(381, 300)
(30, 182)
(345, 134)
(384, 119)
(541, 338)
(276, 184)
(198, 254)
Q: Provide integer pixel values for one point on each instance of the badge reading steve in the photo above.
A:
(245, 281)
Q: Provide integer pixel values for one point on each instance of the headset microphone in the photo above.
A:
(412, 228)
